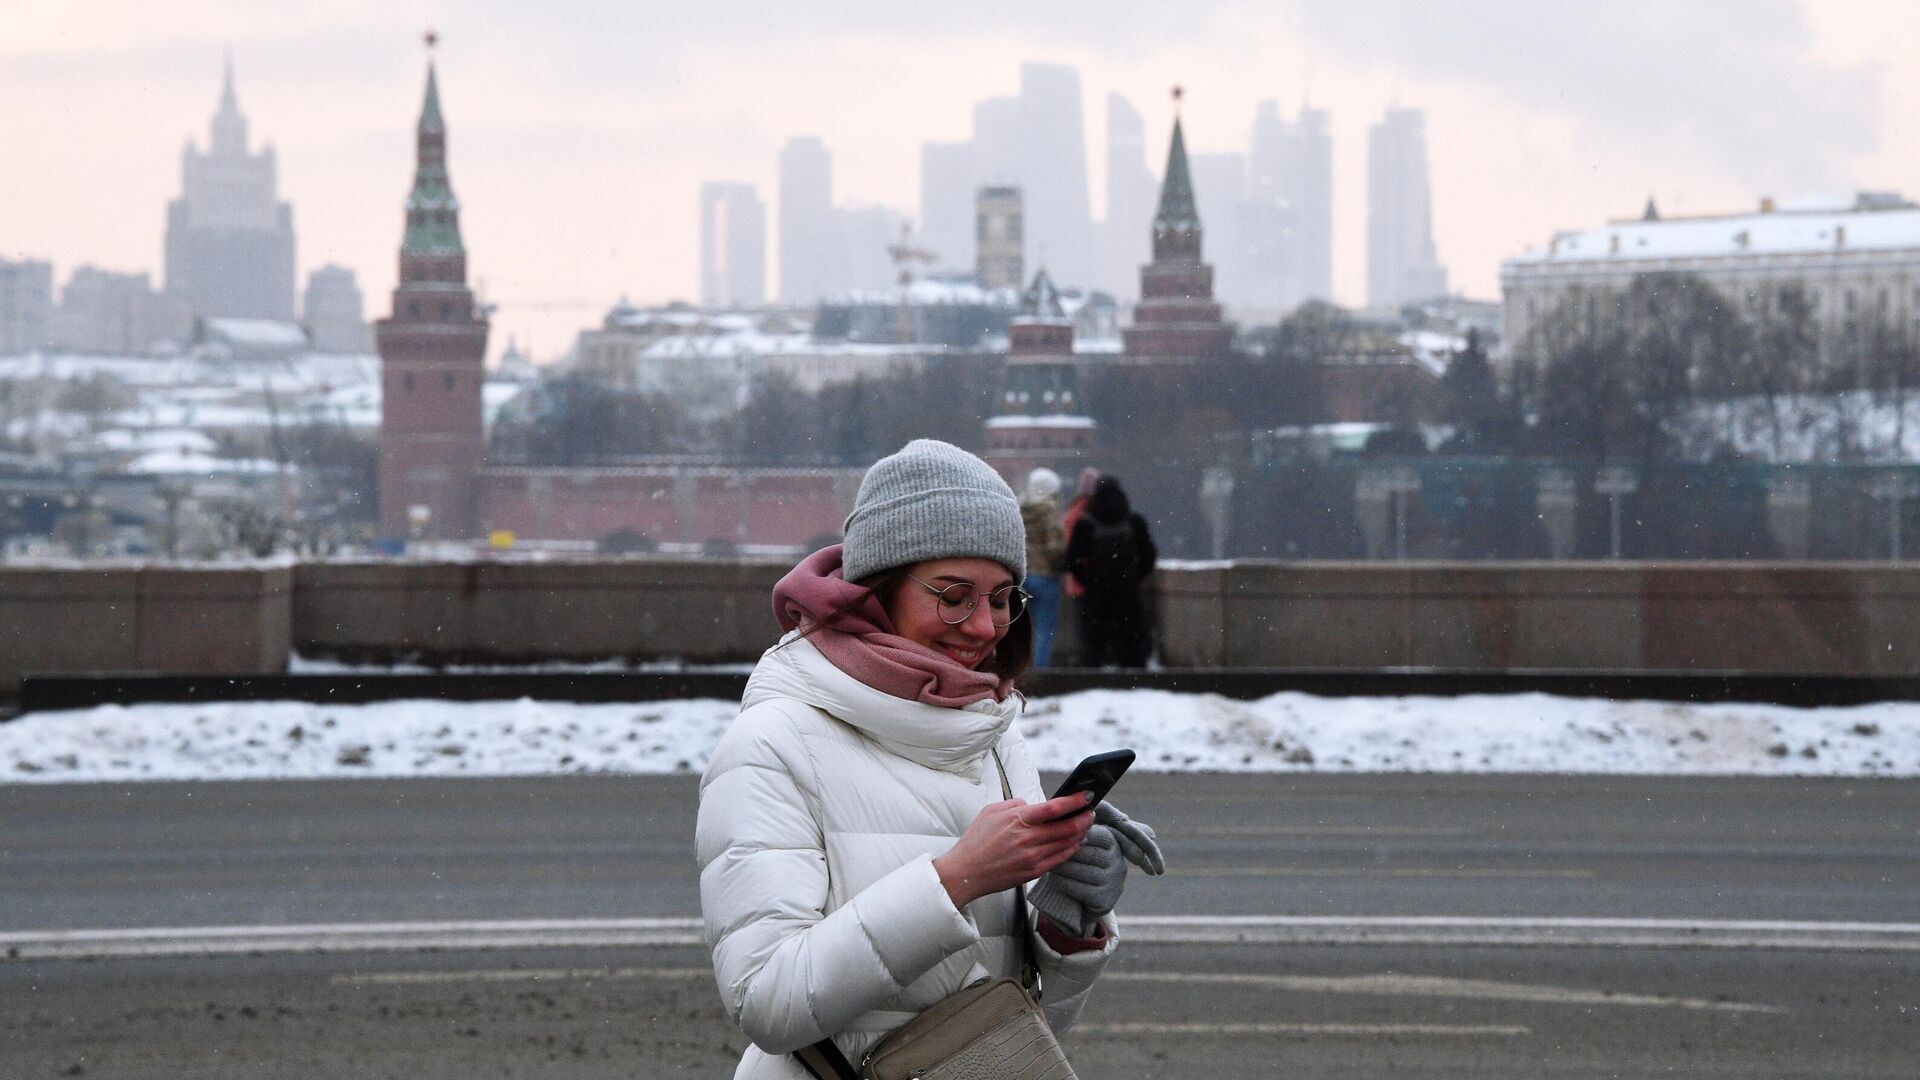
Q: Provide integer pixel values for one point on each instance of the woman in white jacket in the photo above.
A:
(858, 860)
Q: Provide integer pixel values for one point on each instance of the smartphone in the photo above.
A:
(1097, 774)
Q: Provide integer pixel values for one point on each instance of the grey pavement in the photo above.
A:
(251, 853)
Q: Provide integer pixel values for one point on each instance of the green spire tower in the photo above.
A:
(432, 359)
(433, 214)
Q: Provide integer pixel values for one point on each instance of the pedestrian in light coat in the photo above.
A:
(858, 862)
(1046, 546)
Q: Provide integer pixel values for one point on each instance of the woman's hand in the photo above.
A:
(1012, 842)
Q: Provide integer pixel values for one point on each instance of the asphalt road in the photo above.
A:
(1633, 848)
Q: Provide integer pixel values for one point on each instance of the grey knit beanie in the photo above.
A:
(932, 500)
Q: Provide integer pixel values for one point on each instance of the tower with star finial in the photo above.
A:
(1177, 320)
(432, 356)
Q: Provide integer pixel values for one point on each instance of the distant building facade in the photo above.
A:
(432, 359)
(1290, 166)
(999, 237)
(1402, 265)
(946, 203)
(1124, 245)
(26, 305)
(1855, 264)
(808, 262)
(230, 241)
(1035, 141)
(859, 246)
(1177, 320)
(119, 314)
(733, 246)
(333, 312)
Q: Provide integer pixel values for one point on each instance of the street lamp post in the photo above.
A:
(1401, 483)
(1896, 488)
(1615, 482)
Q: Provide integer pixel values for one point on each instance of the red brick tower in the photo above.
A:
(1177, 320)
(432, 355)
(1040, 417)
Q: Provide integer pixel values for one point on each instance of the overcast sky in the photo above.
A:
(580, 131)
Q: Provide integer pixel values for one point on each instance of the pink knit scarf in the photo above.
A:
(862, 641)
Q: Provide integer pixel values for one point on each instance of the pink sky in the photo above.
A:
(580, 133)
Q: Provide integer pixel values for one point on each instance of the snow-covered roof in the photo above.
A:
(752, 343)
(929, 292)
(257, 333)
(1776, 232)
(1433, 348)
(148, 440)
(185, 463)
(1046, 421)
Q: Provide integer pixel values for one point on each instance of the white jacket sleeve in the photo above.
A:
(789, 972)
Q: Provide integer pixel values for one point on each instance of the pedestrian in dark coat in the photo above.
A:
(1111, 553)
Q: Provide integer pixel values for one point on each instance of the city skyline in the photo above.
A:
(1804, 107)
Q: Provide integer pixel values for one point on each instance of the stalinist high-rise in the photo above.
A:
(229, 237)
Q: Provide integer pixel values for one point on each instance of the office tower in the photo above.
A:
(861, 237)
(432, 359)
(1053, 171)
(1306, 187)
(946, 202)
(1125, 242)
(999, 237)
(1401, 264)
(808, 267)
(733, 245)
(999, 140)
(332, 311)
(26, 305)
(229, 237)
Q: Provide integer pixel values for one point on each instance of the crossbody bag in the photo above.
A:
(988, 1028)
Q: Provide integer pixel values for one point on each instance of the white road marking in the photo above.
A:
(1436, 931)
(506, 975)
(1384, 985)
(1383, 831)
(1393, 985)
(1298, 1031)
(1382, 872)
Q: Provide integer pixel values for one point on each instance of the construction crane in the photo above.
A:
(905, 253)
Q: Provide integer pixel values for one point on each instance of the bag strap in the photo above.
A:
(824, 1061)
(1029, 969)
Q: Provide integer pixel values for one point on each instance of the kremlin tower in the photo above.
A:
(432, 354)
(1040, 420)
(1177, 320)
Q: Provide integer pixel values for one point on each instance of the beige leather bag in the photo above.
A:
(991, 1029)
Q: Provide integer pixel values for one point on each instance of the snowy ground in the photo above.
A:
(1171, 732)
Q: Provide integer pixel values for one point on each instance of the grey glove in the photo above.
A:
(1136, 838)
(1077, 892)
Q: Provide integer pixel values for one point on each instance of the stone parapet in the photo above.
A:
(1761, 618)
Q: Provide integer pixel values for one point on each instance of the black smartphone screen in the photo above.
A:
(1097, 774)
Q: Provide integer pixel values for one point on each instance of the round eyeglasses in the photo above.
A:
(958, 600)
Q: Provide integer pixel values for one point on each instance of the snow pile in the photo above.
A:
(1171, 732)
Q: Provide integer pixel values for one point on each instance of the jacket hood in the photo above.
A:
(952, 740)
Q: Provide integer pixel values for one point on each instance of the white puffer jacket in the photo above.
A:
(821, 812)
